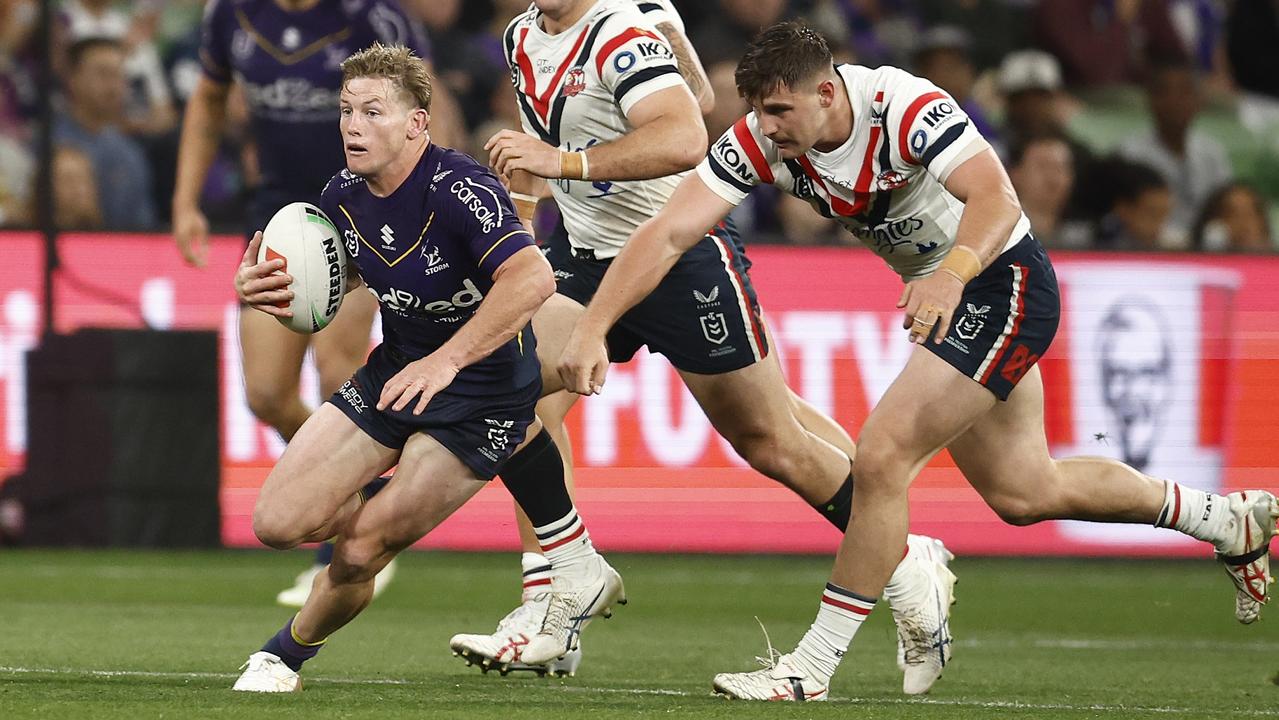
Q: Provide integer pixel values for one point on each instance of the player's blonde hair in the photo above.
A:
(395, 63)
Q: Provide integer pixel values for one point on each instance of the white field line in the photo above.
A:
(1121, 710)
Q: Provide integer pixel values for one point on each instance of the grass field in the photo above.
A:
(148, 635)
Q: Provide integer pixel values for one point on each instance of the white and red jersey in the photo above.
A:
(575, 89)
(885, 183)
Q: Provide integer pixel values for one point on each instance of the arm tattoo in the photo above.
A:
(687, 68)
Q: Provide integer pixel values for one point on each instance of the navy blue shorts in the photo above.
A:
(1006, 319)
(703, 316)
(480, 430)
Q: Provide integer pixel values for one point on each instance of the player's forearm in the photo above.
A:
(986, 223)
(201, 134)
(667, 145)
(505, 311)
(644, 260)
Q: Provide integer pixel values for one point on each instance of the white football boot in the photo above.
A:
(1247, 557)
(781, 680)
(575, 599)
(295, 596)
(922, 613)
(267, 673)
(503, 650)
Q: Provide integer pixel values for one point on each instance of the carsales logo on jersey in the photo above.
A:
(489, 217)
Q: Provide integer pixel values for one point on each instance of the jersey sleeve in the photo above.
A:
(932, 129)
(478, 208)
(215, 41)
(634, 62)
(737, 162)
(393, 26)
(660, 11)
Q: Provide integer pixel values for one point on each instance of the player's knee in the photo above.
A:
(764, 452)
(880, 465)
(268, 403)
(1019, 511)
(276, 529)
(357, 561)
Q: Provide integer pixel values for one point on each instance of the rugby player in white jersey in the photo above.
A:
(897, 162)
(610, 122)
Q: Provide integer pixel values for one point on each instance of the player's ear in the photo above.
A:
(826, 93)
(419, 123)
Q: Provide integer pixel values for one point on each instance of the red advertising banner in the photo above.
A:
(1167, 362)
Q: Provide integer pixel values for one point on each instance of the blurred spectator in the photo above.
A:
(729, 105)
(1043, 173)
(942, 56)
(96, 90)
(1234, 219)
(15, 182)
(75, 195)
(996, 27)
(724, 37)
(467, 65)
(1201, 26)
(1252, 44)
(1140, 205)
(1030, 81)
(1104, 42)
(880, 32)
(1191, 163)
(149, 106)
(18, 93)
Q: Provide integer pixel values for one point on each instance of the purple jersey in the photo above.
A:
(428, 252)
(288, 64)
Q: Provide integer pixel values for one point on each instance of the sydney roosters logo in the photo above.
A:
(890, 180)
(574, 82)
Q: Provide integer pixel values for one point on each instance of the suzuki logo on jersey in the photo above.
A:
(972, 322)
(388, 238)
(574, 82)
(730, 157)
(404, 302)
(937, 113)
(466, 191)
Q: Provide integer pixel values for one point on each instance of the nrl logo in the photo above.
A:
(574, 82)
(972, 322)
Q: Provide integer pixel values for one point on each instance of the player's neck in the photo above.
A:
(566, 19)
(839, 120)
(395, 173)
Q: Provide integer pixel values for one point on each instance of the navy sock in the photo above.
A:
(535, 478)
(289, 649)
(839, 509)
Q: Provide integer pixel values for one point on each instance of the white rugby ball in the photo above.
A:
(303, 236)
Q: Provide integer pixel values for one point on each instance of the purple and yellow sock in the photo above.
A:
(287, 646)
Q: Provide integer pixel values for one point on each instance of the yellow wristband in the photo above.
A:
(573, 166)
(962, 262)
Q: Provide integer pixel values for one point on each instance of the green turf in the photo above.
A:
(147, 635)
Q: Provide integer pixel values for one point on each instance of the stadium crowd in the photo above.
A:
(1124, 124)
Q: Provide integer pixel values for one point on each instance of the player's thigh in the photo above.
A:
(926, 407)
(1004, 454)
(272, 357)
(430, 483)
(552, 324)
(750, 402)
(342, 347)
(325, 463)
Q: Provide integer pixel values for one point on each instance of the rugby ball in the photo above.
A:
(306, 240)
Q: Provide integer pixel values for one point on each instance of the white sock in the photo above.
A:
(904, 584)
(537, 575)
(839, 615)
(565, 542)
(1201, 515)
